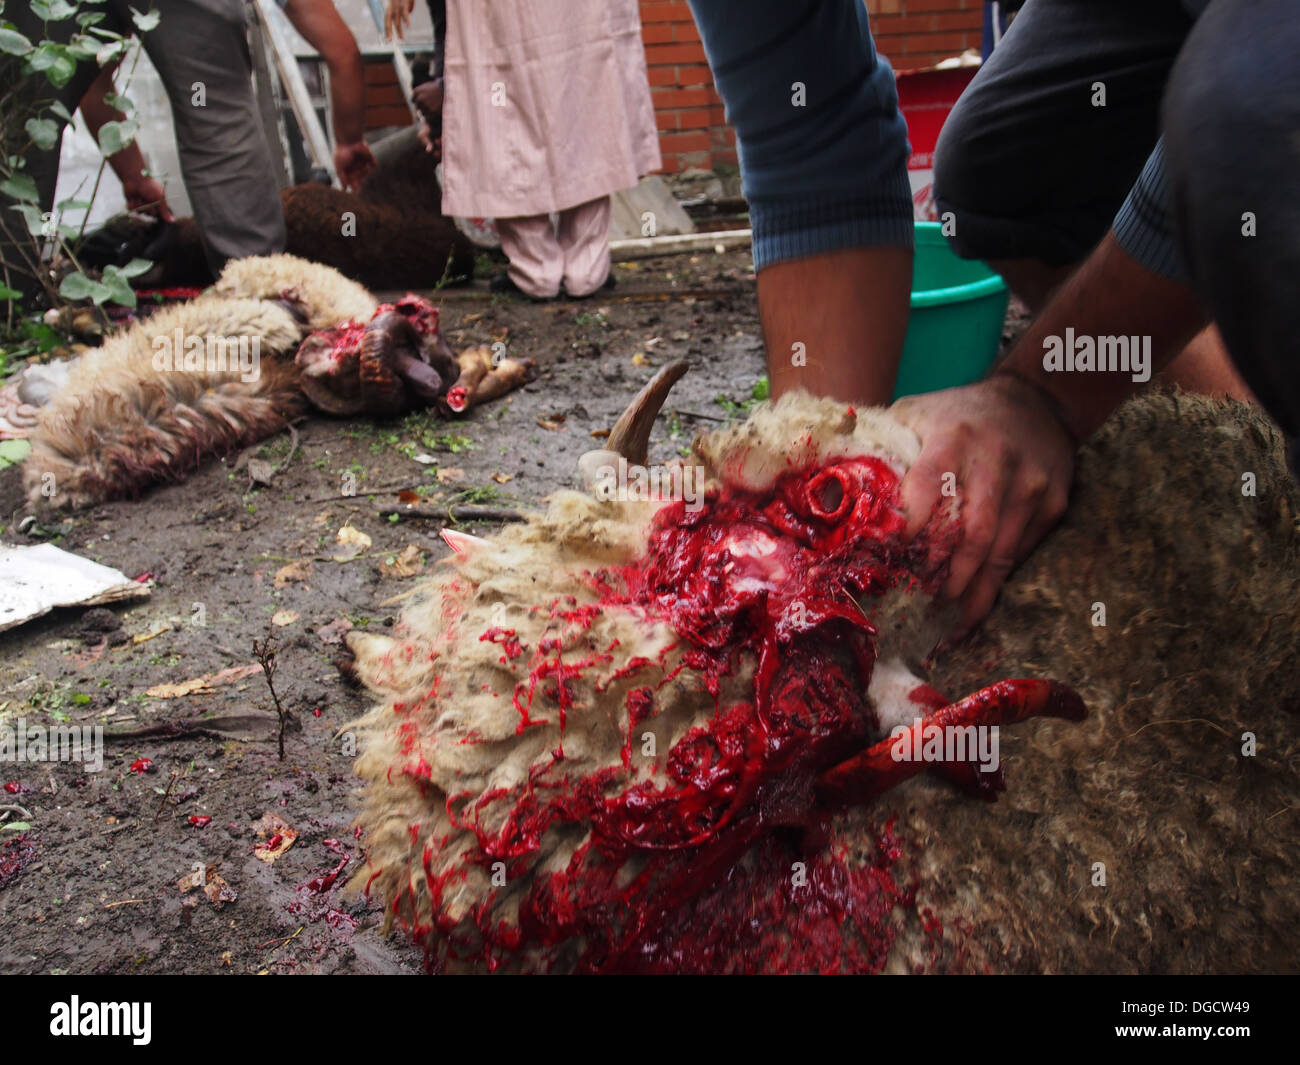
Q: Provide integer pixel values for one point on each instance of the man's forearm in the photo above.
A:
(833, 323)
(1110, 295)
(129, 163)
(348, 97)
(323, 28)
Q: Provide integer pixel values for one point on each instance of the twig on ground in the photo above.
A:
(451, 515)
(264, 652)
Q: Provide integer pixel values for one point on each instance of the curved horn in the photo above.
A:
(630, 436)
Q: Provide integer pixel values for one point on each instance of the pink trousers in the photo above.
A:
(575, 252)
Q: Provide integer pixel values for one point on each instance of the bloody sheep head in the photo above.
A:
(593, 717)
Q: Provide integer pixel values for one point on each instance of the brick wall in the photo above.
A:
(384, 103)
(692, 131)
(688, 111)
(919, 33)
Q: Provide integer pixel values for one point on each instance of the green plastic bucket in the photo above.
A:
(958, 306)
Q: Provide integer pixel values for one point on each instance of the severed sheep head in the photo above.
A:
(595, 720)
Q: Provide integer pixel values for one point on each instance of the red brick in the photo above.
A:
(885, 25)
(695, 118)
(960, 20)
(665, 120)
(664, 98)
(692, 74)
(658, 33)
(384, 96)
(387, 116)
(659, 54)
(915, 7)
(662, 76)
(947, 43)
(684, 142)
(673, 11)
(685, 31)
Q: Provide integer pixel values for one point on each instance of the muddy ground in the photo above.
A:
(95, 885)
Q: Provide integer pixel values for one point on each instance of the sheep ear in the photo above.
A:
(630, 436)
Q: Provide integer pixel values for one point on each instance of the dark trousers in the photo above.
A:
(200, 50)
(1031, 170)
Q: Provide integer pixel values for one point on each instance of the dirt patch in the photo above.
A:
(157, 863)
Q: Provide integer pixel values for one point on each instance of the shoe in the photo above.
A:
(503, 285)
(608, 286)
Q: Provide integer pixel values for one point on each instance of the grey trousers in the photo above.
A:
(200, 50)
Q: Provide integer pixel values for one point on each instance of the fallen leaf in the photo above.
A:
(294, 571)
(600, 434)
(407, 564)
(145, 637)
(334, 632)
(284, 617)
(218, 892)
(352, 542)
(260, 471)
(639, 359)
(277, 837)
(408, 497)
(201, 684)
(503, 478)
(450, 475)
(425, 459)
(552, 421)
(321, 518)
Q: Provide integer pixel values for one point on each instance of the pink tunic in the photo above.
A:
(546, 105)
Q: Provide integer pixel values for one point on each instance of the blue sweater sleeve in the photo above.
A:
(822, 144)
(1143, 227)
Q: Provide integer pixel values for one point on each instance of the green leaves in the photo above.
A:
(120, 102)
(117, 282)
(13, 452)
(136, 267)
(7, 293)
(36, 224)
(44, 132)
(14, 43)
(79, 287)
(53, 10)
(145, 22)
(115, 286)
(109, 52)
(56, 60)
(20, 187)
(83, 47)
(114, 136)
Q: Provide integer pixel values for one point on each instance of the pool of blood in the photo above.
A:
(691, 871)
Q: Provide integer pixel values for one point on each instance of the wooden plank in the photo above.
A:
(400, 63)
(266, 108)
(299, 99)
(648, 247)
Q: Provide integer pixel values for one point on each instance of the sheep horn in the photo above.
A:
(630, 436)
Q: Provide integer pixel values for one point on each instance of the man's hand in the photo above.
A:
(397, 18)
(1013, 461)
(432, 144)
(147, 195)
(427, 96)
(353, 162)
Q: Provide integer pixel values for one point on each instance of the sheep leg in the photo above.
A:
(872, 772)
